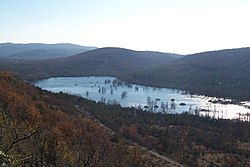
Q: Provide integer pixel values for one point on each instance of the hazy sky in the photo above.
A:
(179, 26)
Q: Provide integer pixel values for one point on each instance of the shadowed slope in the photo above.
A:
(222, 73)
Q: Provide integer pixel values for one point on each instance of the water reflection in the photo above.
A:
(113, 91)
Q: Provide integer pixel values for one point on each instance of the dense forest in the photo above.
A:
(45, 129)
(38, 128)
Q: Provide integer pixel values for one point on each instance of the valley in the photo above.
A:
(141, 108)
(124, 83)
(222, 74)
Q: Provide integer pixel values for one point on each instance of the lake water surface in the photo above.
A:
(111, 91)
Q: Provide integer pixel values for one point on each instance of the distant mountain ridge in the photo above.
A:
(40, 50)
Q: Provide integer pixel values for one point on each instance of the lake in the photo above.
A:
(113, 91)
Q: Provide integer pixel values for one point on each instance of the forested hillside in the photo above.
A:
(38, 128)
(117, 62)
(222, 73)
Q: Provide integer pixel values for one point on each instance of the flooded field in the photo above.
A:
(113, 91)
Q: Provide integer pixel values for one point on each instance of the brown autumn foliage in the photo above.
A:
(189, 139)
(39, 129)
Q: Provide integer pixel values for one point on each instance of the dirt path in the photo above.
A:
(111, 132)
(171, 161)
